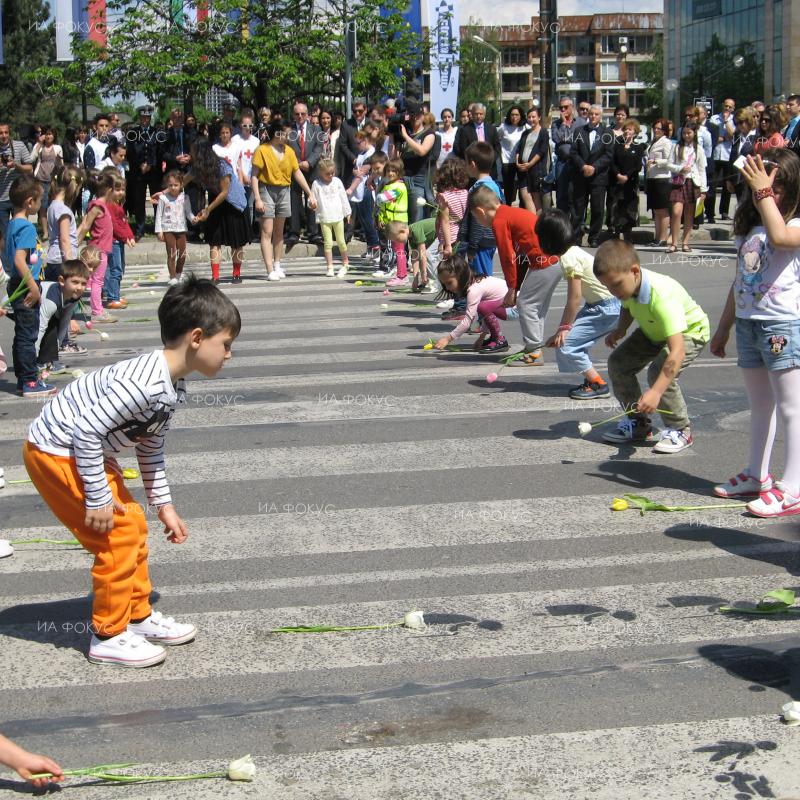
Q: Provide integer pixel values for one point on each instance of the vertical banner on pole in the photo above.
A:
(64, 28)
(445, 40)
(97, 22)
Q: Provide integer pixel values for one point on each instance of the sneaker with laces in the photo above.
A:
(743, 485)
(164, 630)
(342, 271)
(775, 502)
(72, 349)
(379, 273)
(57, 368)
(630, 431)
(446, 304)
(589, 390)
(33, 390)
(103, 319)
(495, 346)
(279, 269)
(273, 276)
(673, 441)
(330, 273)
(126, 649)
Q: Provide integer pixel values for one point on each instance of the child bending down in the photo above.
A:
(484, 295)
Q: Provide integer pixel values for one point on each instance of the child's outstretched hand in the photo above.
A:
(442, 343)
(756, 174)
(174, 526)
(556, 340)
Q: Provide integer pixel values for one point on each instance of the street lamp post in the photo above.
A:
(499, 54)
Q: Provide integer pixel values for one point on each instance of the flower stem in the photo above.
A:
(629, 411)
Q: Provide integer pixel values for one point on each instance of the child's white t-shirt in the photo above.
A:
(577, 263)
(229, 153)
(358, 192)
(246, 149)
(767, 284)
(332, 202)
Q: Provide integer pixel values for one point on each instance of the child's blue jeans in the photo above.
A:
(116, 269)
(591, 323)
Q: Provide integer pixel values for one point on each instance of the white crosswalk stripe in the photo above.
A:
(334, 473)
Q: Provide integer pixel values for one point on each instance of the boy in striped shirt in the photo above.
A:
(70, 456)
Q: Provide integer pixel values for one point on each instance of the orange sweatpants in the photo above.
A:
(120, 578)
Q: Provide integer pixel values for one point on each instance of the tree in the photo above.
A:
(478, 77)
(713, 74)
(651, 73)
(261, 51)
(28, 44)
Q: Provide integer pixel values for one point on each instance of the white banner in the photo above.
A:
(445, 40)
(65, 26)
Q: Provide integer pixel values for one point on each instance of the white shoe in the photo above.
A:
(446, 304)
(330, 273)
(279, 269)
(775, 502)
(126, 649)
(273, 276)
(163, 630)
(379, 273)
(172, 282)
(742, 485)
(431, 288)
(673, 441)
(342, 271)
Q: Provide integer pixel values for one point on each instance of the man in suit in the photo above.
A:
(477, 130)
(562, 135)
(591, 155)
(176, 154)
(792, 131)
(359, 118)
(306, 141)
(144, 166)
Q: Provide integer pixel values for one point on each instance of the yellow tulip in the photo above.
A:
(428, 346)
(618, 504)
(130, 474)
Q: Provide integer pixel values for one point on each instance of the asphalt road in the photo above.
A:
(334, 473)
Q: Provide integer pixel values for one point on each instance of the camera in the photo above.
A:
(5, 158)
(403, 118)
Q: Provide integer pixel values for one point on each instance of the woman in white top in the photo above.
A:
(226, 148)
(447, 135)
(687, 163)
(510, 133)
(659, 180)
(47, 157)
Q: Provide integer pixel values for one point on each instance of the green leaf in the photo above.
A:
(644, 504)
(778, 601)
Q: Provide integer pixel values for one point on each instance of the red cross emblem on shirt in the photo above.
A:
(447, 147)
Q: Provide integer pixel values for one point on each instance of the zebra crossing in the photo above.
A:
(337, 474)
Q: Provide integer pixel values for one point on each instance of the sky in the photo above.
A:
(515, 12)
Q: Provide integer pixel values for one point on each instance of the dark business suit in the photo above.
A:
(590, 190)
(307, 146)
(466, 135)
(345, 153)
(143, 148)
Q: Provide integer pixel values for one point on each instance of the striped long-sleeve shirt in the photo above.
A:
(98, 416)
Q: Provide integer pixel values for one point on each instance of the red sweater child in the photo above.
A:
(122, 231)
(517, 243)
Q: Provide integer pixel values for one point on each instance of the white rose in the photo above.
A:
(420, 201)
(243, 769)
(414, 620)
(584, 428)
(6, 549)
(104, 336)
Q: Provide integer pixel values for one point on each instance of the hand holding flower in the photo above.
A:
(442, 343)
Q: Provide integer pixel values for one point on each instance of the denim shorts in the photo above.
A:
(774, 344)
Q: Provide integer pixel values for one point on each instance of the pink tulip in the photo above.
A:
(34, 257)
(491, 377)
(135, 285)
(386, 292)
(89, 324)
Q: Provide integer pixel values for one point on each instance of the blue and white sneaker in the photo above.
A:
(673, 441)
(33, 390)
(630, 431)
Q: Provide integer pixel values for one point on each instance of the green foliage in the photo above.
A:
(29, 45)
(713, 74)
(651, 73)
(264, 52)
(478, 78)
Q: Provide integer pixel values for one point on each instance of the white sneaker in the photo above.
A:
(342, 271)
(126, 649)
(172, 282)
(673, 441)
(379, 273)
(279, 269)
(273, 276)
(330, 273)
(446, 304)
(430, 288)
(775, 502)
(742, 485)
(163, 630)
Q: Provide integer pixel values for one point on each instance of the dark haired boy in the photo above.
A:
(672, 332)
(59, 299)
(591, 310)
(70, 456)
(23, 260)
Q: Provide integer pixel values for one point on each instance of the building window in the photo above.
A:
(516, 83)
(609, 44)
(636, 99)
(609, 71)
(640, 44)
(583, 73)
(536, 70)
(609, 98)
(516, 56)
(584, 46)
(633, 70)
